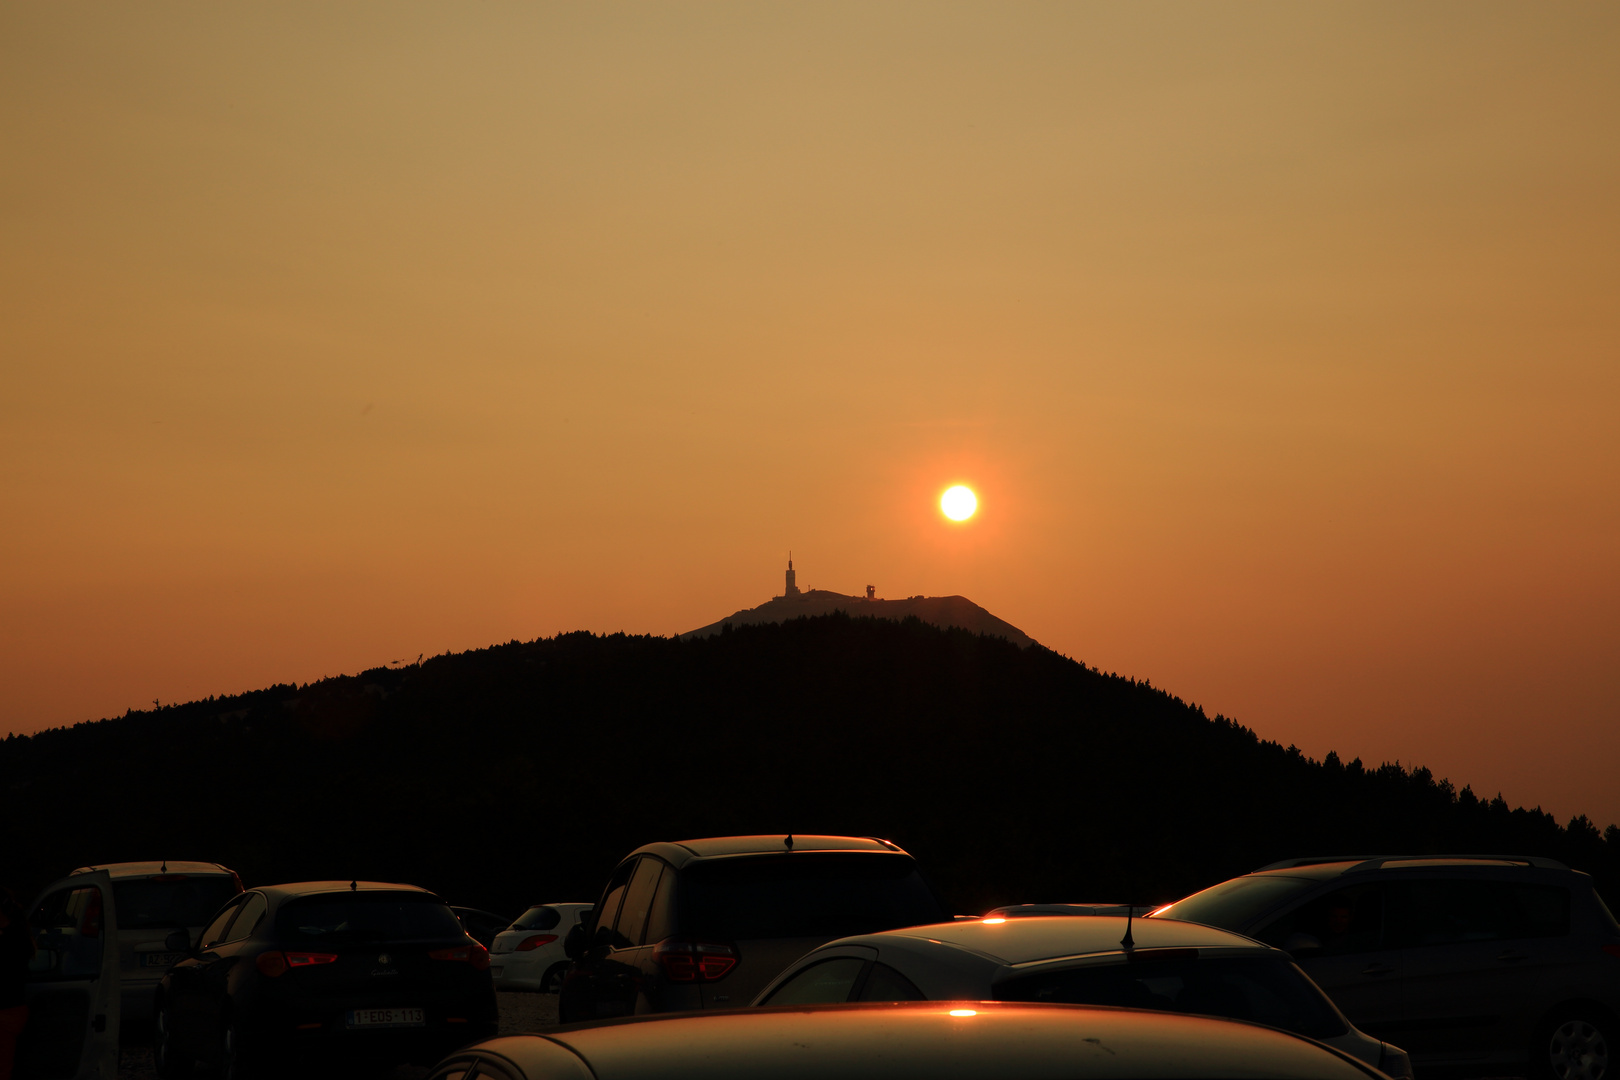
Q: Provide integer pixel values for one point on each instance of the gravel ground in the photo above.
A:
(519, 1013)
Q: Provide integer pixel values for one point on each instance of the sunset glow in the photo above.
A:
(958, 503)
(1280, 338)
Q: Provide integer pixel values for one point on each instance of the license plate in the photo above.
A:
(384, 1018)
(161, 959)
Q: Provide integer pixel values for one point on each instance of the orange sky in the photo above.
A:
(1278, 340)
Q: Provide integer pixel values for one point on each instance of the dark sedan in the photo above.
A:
(327, 969)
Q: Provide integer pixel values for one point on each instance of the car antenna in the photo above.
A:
(164, 869)
(788, 842)
(1128, 942)
(354, 886)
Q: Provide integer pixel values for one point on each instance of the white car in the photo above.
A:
(155, 899)
(1157, 964)
(528, 955)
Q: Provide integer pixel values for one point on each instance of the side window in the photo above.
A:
(67, 927)
(1343, 922)
(632, 920)
(1459, 910)
(823, 983)
(214, 932)
(607, 912)
(661, 919)
(250, 911)
(883, 983)
(1543, 910)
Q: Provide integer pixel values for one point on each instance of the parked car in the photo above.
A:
(1472, 962)
(1106, 960)
(481, 926)
(324, 969)
(72, 1027)
(705, 924)
(154, 899)
(941, 1041)
(528, 955)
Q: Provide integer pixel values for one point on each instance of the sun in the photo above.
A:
(958, 503)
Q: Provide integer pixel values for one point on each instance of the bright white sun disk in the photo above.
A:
(958, 503)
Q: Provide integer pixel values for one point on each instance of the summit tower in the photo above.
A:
(792, 580)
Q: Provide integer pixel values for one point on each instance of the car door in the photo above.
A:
(587, 993)
(1338, 939)
(622, 948)
(1473, 954)
(191, 1016)
(73, 983)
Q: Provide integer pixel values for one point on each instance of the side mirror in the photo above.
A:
(574, 943)
(1301, 944)
(178, 941)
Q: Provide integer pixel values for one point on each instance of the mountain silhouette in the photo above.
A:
(522, 772)
(948, 612)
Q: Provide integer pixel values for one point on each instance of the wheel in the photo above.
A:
(1574, 1046)
(551, 982)
(170, 1063)
(236, 1062)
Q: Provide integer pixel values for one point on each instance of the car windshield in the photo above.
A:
(366, 917)
(1235, 904)
(805, 894)
(171, 901)
(1262, 990)
(539, 917)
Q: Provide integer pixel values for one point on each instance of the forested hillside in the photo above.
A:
(522, 772)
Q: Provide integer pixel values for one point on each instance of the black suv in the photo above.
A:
(1468, 961)
(707, 923)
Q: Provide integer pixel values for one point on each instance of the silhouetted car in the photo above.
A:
(72, 1026)
(324, 969)
(529, 954)
(1471, 962)
(481, 926)
(706, 924)
(154, 899)
(940, 1041)
(1167, 966)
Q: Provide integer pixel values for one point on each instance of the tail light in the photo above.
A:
(271, 963)
(534, 941)
(309, 959)
(694, 961)
(470, 953)
(1612, 950)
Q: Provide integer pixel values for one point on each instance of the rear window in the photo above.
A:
(1262, 990)
(366, 917)
(537, 918)
(1233, 905)
(806, 894)
(170, 902)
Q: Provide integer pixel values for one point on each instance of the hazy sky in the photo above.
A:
(1280, 342)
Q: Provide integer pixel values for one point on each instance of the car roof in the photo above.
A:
(936, 1039)
(681, 852)
(294, 889)
(1038, 938)
(155, 868)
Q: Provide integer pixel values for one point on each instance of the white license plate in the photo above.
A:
(387, 1018)
(161, 959)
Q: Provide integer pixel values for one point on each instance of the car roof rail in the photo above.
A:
(1312, 860)
(1376, 862)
